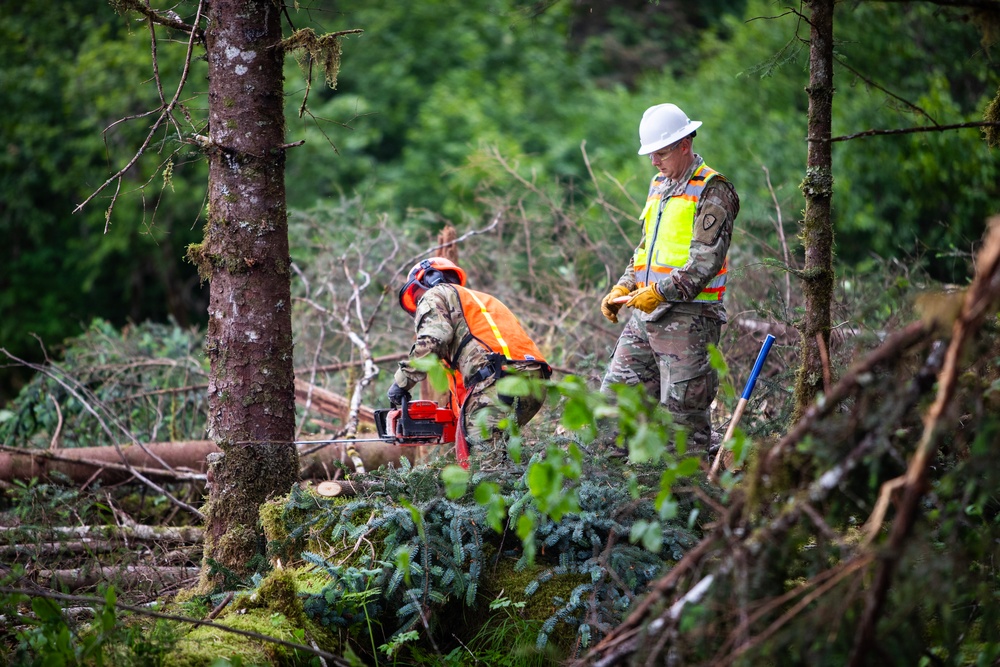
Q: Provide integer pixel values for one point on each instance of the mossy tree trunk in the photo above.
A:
(817, 227)
(249, 340)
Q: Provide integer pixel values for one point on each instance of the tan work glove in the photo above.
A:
(609, 309)
(646, 299)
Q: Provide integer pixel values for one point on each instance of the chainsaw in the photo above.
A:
(412, 424)
(416, 423)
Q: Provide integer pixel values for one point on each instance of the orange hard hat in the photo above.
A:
(425, 274)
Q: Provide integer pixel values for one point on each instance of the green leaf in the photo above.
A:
(456, 481)
(576, 415)
(687, 467)
(514, 385)
(437, 374)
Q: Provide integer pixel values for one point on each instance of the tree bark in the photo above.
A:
(245, 253)
(817, 226)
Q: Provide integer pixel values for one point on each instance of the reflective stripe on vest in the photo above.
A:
(668, 234)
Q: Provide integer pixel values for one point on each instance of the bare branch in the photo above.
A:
(468, 234)
(894, 96)
(988, 5)
(168, 19)
(166, 115)
(909, 130)
(107, 430)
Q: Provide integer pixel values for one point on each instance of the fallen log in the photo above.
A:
(49, 548)
(187, 461)
(134, 532)
(135, 578)
(328, 403)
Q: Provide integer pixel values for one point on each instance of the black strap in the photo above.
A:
(453, 362)
(494, 367)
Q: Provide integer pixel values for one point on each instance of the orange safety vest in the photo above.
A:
(668, 231)
(492, 325)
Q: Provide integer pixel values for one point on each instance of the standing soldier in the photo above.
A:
(480, 340)
(676, 278)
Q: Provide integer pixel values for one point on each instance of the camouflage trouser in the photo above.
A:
(483, 412)
(670, 357)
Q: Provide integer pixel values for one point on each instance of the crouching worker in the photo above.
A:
(480, 340)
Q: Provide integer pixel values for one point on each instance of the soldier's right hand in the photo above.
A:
(610, 309)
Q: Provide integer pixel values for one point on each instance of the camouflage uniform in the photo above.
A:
(441, 327)
(667, 350)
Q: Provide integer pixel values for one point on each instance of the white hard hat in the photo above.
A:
(662, 125)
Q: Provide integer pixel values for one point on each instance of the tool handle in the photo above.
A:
(737, 414)
(761, 356)
(742, 404)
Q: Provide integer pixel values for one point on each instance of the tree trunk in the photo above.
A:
(817, 227)
(249, 340)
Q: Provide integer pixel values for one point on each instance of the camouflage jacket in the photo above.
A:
(440, 328)
(718, 207)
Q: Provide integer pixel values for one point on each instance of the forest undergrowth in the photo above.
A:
(865, 533)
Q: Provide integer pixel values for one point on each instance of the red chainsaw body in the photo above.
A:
(416, 423)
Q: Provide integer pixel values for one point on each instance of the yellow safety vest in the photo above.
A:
(668, 236)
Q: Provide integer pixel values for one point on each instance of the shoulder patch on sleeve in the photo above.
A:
(710, 223)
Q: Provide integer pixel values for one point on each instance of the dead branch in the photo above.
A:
(330, 368)
(780, 228)
(872, 84)
(167, 19)
(988, 5)
(54, 442)
(361, 342)
(222, 605)
(165, 115)
(900, 341)
(983, 294)
(911, 130)
(469, 234)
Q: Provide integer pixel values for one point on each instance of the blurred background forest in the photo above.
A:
(519, 113)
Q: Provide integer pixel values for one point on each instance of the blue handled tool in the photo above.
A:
(742, 404)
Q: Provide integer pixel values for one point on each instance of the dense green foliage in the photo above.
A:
(68, 74)
(431, 552)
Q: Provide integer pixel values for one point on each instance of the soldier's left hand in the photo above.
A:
(646, 299)
(396, 395)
